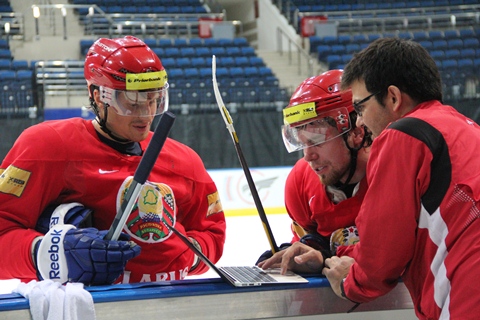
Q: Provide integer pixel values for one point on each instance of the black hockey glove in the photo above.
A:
(268, 254)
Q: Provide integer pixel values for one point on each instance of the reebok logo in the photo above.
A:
(106, 171)
(56, 238)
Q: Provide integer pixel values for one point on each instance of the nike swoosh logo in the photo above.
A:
(106, 171)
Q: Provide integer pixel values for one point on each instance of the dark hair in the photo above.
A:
(399, 62)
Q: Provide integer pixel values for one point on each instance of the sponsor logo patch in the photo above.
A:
(214, 204)
(13, 180)
(299, 112)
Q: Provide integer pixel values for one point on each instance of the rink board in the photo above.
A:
(212, 298)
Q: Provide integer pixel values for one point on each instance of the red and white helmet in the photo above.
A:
(127, 72)
(316, 106)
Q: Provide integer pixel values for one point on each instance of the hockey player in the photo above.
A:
(87, 166)
(324, 190)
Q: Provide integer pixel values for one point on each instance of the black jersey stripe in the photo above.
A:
(441, 166)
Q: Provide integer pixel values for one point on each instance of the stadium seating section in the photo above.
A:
(244, 79)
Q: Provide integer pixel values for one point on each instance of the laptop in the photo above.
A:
(243, 276)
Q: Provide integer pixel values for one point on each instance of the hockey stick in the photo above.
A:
(253, 190)
(141, 174)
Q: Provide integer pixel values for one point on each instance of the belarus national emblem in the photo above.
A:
(154, 208)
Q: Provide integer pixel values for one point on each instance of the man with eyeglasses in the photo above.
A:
(63, 182)
(419, 220)
(325, 188)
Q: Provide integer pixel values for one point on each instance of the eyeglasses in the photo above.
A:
(358, 105)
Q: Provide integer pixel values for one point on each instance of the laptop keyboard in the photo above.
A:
(249, 274)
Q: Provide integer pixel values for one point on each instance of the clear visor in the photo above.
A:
(325, 127)
(136, 103)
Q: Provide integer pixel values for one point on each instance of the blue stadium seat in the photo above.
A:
(420, 36)
(191, 73)
(210, 42)
(183, 62)
(195, 42)
(218, 51)
(226, 62)
(233, 51)
(160, 52)
(169, 63)
(251, 72)
(455, 43)
(205, 72)
(452, 54)
(435, 35)
(203, 52)
(256, 61)
(242, 61)
(248, 51)
(467, 53)
(5, 64)
(450, 34)
(165, 43)
(236, 72)
(352, 48)
(175, 73)
(188, 52)
(471, 43)
(225, 42)
(437, 54)
(198, 62)
(426, 44)
(359, 38)
(240, 42)
(439, 45)
(172, 52)
(180, 42)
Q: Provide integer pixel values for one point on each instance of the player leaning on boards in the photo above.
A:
(325, 189)
(76, 161)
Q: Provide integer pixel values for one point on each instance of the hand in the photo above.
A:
(298, 257)
(268, 254)
(73, 213)
(336, 269)
(82, 255)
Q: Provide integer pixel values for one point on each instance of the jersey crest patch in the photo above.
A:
(13, 180)
(154, 208)
(214, 204)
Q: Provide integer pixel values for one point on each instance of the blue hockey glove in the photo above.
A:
(82, 255)
(268, 254)
(68, 213)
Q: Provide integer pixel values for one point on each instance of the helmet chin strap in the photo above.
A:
(103, 124)
(353, 160)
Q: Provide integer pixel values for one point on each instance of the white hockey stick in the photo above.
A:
(253, 190)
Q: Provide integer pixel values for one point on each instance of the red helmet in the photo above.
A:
(124, 64)
(317, 98)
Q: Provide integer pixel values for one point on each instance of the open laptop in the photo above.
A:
(242, 276)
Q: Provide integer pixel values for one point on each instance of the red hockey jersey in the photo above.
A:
(310, 205)
(419, 219)
(64, 161)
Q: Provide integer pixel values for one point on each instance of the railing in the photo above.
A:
(12, 25)
(301, 53)
(380, 20)
(97, 22)
(373, 21)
